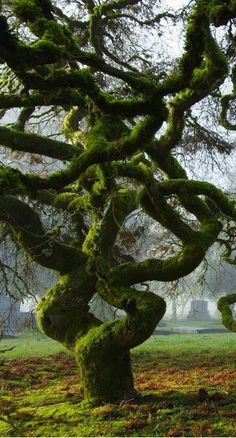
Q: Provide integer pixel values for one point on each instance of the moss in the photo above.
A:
(26, 9)
(23, 141)
(142, 133)
(98, 351)
(63, 312)
(70, 125)
(19, 214)
(154, 204)
(186, 187)
(90, 245)
(219, 12)
(63, 200)
(225, 105)
(223, 306)
(77, 203)
(169, 269)
(6, 429)
(53, 49)
(10, 181)
(144, 311)
(51, 31)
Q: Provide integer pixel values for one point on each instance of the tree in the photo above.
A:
(122, 119)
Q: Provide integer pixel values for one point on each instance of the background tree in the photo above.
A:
(118, 122)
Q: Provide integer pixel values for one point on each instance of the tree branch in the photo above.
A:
(42, 247)
(36, 144)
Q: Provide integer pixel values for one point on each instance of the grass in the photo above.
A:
(190, 323)
(30, 344)
(187, 384)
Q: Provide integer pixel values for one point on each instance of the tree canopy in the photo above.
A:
(104, 121)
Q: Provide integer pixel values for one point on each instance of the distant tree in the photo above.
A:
(110, 125)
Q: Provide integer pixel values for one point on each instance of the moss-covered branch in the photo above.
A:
(169, 269)
(144, 310)
(65, 96)
(63, 312)
(42, 247)
(124, 128)
(225, 106)
(36, 144)
(100, 150)
(223, 305)
(121, 204)
(185, 187)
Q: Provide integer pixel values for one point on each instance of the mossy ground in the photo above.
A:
(187, 382)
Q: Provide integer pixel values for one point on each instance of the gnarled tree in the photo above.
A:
(122, 117)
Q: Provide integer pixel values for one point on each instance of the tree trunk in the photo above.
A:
(102, 349)
(105, 366)
(107, 378)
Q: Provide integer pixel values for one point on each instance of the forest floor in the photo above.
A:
(187, 382)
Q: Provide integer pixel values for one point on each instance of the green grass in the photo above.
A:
(192, 343)
(30, 344)
(187, 323)
(35, 344)
(187, 383)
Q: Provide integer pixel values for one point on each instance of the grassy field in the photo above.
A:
(187, 382)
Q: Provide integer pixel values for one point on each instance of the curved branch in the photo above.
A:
(169, 269)
(83, 80)
(63, 312)
(100, 150)
(144, 310)
(225, 102)
(223, 306)
(121, 204)
(185, 188)
(156, 19)
(37, 144)
(42, 247)
(23, 118)
(65, 96)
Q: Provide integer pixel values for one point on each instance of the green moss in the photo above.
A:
(223, 306)
(10, 181)
(6, 428)
(26, 9)
(63, 312)
(90, 245)
(96, 351)
(70, 126)
(219, 12)
(53, 49)
(225, 106)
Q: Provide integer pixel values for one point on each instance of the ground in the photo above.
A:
(188, 386)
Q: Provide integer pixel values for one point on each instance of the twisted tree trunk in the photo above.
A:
(120, 154)
(105, 366)
(102, 350)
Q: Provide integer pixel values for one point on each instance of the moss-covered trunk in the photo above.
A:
(102, 349)
(106, 374)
